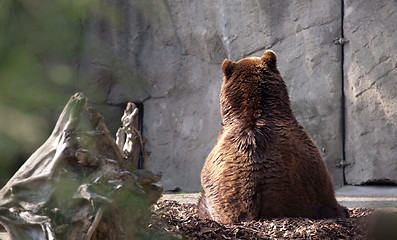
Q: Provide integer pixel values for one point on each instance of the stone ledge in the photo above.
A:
(378, 197)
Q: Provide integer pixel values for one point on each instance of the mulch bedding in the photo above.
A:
(181, 222)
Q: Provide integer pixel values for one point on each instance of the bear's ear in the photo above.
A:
(269, 57)
(227, 67)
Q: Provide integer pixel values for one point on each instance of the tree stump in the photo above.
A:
(80, 184)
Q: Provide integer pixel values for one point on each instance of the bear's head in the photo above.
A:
(253, 90)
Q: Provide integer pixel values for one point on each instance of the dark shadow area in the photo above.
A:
(380, 182)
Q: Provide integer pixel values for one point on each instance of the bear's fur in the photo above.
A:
(264, 164)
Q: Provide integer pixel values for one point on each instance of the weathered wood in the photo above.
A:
(128, 138)
(77, 185)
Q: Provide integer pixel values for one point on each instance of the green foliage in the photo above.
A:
(9, 149)
(40, 46)
(35, 37)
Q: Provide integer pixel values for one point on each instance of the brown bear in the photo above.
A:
(264, 164)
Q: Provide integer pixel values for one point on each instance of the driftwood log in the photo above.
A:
(80, 184)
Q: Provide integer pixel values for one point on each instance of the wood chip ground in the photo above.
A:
(181, 222)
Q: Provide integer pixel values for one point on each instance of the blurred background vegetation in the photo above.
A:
(41, 43)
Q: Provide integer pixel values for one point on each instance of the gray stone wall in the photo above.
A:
(168, 55)
(213, 30)
(371, 91)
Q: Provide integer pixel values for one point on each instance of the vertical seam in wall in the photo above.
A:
(141, 163)
(343, 102)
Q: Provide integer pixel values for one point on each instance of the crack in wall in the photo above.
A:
(343, 100)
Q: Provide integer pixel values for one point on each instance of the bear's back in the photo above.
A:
(263, 164)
